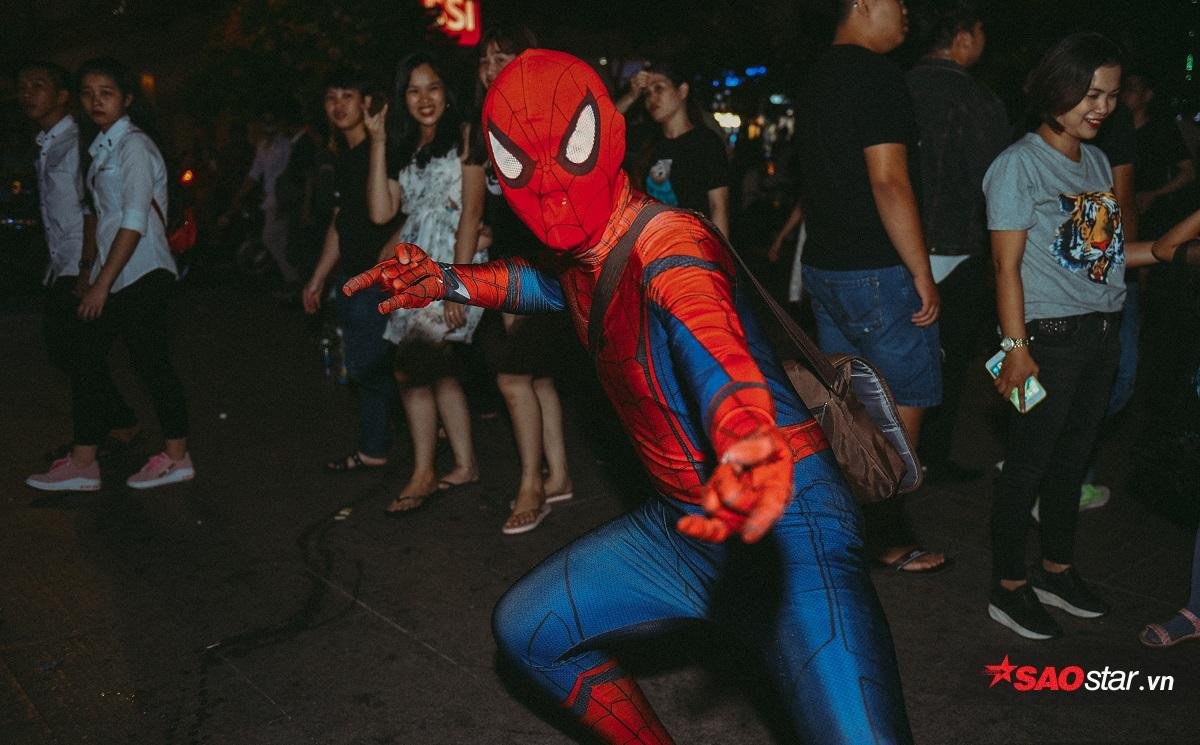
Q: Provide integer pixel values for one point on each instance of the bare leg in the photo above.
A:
(456, 418)
(558, 479)
(420, 410)
(526, 414)
(911, 416)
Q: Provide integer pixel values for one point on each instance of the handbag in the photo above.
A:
(845, 394)
(183, 237)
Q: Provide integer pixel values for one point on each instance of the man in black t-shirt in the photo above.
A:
(963, 127)
(866, 265)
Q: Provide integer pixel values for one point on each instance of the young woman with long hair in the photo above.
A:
(442, 199)
(521, 350)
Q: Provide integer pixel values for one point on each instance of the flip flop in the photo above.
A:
(564, 496)
(908, 558)
(445, 486)
(541, 515)
(552, 499)
(421, 500)
(343, 464)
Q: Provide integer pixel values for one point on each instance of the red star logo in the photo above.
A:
(1000, 672)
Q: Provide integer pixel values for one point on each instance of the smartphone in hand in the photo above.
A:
(1034, 392)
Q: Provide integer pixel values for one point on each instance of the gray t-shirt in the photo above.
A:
(1074, 260)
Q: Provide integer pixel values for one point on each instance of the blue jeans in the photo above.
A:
(1131, 328)
(368, 358)
(867, 313)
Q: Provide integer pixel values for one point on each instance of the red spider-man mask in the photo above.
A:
(557, 142)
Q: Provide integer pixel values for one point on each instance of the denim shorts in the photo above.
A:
(867, 312)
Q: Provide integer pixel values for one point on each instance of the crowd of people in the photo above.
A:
(932, 227)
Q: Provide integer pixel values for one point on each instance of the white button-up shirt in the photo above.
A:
(126, 175)
(270, 161)
(60, 192)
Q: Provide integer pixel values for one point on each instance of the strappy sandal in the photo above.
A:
(351, 462)
(1156, 636)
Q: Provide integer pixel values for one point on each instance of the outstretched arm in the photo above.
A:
(691, 291)
(414, 280)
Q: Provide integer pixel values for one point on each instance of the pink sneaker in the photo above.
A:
(160, 470)
(64, 475)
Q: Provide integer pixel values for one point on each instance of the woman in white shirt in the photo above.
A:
(132, 282)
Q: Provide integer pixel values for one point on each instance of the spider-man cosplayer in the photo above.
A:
(729, 446)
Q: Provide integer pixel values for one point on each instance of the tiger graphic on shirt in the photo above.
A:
(1091, 241)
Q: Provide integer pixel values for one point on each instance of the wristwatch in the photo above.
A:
(1008, 343)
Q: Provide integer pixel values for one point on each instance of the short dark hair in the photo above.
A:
(508, 38)
(1063, 76)
(113, 68)
(939, 21)
(57, 73)
(1149, 79)
(352, 78)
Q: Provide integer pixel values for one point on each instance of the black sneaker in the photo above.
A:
(1066, 590)
(1020, 611)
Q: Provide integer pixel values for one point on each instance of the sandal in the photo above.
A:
(905, 559)
(446, 487)
(351, 462)
(417, 501)
(538, 516)
(565, 496)
(1156, 636)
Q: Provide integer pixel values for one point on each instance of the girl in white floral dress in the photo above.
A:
(442, 199)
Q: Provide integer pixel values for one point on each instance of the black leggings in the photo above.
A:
(141, 315)
(64, 336)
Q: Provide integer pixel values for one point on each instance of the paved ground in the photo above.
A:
(238, 609)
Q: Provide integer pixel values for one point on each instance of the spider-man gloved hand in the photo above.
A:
(747, 492)
(413, 279)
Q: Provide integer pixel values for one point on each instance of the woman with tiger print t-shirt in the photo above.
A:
(1060, 254)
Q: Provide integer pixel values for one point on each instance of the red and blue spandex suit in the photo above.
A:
(728, 444)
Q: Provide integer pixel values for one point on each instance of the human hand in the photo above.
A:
(91, 305)
(83, 283)
(931, 302)
(310, 296)
(639, 82)
(413, 279)
(1018, 366)
(747, 492)
(455, 314)
(375, 123)
(776, 249)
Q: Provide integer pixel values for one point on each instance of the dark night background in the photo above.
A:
(268, 48)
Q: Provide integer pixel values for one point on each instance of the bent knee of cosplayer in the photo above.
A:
(532, 635)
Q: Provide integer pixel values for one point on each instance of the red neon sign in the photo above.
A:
(461, 20)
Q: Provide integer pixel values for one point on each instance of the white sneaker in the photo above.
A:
(161, 470)
(64, 475)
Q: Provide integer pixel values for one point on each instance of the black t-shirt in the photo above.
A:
(683, 170)
(1118, 140)
(359, 239)
(853, 99)
(1160, 148)
(510, 236)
